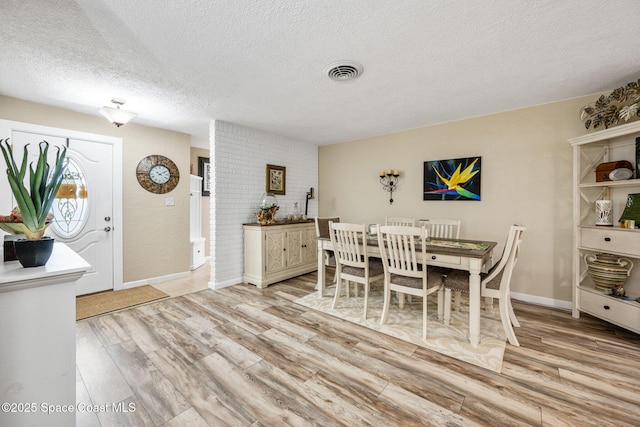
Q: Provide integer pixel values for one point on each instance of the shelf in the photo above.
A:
(605, 228)
(625, 183)
(592, 289)
(606, 134)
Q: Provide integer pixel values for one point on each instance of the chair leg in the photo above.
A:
(400, 299)
(506, 322)
(440, 304)
(457, 296)
(385, 307)
(488, 304)
(366, 298)
(447, 306)
(424, 316)
(337, 294)
(512, 315)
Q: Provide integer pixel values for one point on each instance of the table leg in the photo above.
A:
(474, 301)
(321, 271)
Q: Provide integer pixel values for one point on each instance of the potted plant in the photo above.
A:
(34, 200)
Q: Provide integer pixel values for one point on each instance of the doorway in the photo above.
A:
(88, 209)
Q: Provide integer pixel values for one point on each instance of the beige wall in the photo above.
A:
(526, 179)
(155, 237)
(206, 205)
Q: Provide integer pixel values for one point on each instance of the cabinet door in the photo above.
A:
(275, 256)
(310, 246)
(294, 248)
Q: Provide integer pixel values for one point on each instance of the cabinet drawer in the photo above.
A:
(611, 240)
(444, 260)
(622, 313)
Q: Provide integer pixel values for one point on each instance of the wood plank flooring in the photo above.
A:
(243, 356)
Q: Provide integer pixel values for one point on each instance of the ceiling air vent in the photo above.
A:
(343, 71)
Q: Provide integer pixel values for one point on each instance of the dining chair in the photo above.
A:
(322, 230)
(496, 283)
(349, 243)
(405, 222)
(442, 228)
(405, 268)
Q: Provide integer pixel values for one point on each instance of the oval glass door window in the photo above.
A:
(71, 207)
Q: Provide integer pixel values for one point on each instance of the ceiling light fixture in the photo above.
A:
(115, 115)
(343, 71)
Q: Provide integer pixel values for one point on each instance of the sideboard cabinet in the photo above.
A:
(608, 145)
(277, 252)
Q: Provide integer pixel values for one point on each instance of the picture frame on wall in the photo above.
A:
(204, 171)
(276, 179)
(453, 179)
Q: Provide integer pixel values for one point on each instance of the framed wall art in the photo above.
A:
(204, 171)
(454, 179)
(276, 179)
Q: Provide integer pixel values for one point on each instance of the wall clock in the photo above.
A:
(157, 174)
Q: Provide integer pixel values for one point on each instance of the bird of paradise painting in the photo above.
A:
(455, 179)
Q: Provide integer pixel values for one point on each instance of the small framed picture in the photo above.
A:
(204, 171)
(276, 179)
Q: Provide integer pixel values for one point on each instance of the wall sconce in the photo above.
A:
(115, 115)
(309, 197)
(389, 181)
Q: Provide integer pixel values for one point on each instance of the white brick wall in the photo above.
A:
(239, 156)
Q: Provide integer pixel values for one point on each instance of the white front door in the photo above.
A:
(84, 214)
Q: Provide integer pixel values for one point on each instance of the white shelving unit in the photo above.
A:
(195, 221)
(590, 150)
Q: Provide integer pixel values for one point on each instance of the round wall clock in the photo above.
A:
(157, 174)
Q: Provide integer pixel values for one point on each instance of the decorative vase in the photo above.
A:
(33, 253)
(268, 201)
(604, 213)
(608, 272)
(268, 208)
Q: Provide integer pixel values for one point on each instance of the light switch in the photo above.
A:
(169, 201)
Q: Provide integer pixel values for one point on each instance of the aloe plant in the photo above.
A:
(35, 200)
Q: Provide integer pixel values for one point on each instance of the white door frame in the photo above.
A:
(117, 181)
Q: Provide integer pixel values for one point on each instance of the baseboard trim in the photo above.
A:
(226, 283)
(547, 302)
(153, 280)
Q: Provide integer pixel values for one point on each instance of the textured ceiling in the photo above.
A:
(182, 63)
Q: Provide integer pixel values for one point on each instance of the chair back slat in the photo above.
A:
(349, 243)
(402, 222)
(398, 248)
(442, 228)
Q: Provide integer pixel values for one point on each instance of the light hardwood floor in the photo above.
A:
(242, 356)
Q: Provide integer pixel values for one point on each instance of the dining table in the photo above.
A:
(474, 256)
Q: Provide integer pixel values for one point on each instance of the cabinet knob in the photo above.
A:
(606, 307)
(433, 257)
(607, 239)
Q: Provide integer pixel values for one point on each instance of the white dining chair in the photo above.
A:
(442, 228)
(404, 222)
(405, 268)
(349, 242)
(495, 284)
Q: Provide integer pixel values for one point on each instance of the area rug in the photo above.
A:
(406, 324)
(105, 302)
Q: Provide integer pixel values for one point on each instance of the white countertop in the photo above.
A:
(63, 261)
